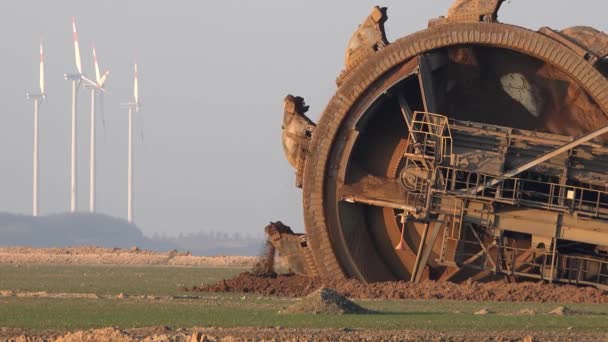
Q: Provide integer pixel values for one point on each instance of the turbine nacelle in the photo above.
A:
(72, 77)
(35, 96)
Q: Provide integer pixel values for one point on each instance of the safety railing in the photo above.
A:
(527, 263)
(528, 192)
(571, 269)
(430, 135)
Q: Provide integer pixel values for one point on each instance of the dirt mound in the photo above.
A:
(561, 311)
(527, 312)
(115, 256)
(299, 286)
(166, 334)
(97, 335)
(325, 301)
(269, 285)
(483, 312)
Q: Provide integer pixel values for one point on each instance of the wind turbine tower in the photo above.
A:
(37, 98)
(76, 79)
(97, 89)
(133, 107)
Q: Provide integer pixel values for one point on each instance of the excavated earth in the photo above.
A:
(326, 301)
(115, 256)
(166, 334)
(299, 286)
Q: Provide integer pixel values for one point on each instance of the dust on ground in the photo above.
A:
(299, 286)
(116, 256)
(167, 334)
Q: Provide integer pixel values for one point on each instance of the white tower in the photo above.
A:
(37, 99)
(133, 108)
(97, 89)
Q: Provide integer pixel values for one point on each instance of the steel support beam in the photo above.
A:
(425, 248)
(525, 167)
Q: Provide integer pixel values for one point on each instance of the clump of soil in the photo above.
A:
(483, 312)
(527, 312)
(300, 286)
(561, 311)
(325, 301)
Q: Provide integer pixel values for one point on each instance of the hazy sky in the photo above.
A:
(213, 77)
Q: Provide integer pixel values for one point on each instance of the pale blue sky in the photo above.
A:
(214, 75)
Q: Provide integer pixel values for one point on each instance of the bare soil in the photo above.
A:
(167, 334)
(299, 286)
(325, 301)
(116, 256)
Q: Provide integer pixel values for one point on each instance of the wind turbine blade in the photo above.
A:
(78, 60)
(104, 78)
(88, 81)
(42, 81)
(136, 86)
(97, 73)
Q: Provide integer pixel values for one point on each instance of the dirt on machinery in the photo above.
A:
(300, 286)
(283, 252)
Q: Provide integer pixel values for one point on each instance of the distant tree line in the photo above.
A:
(104, 231)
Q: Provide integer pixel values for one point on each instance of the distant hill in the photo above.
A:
(83, 229)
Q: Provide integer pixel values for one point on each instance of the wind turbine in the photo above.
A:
(133, 106)
(96, 89)
(76, 79)
(37, 98)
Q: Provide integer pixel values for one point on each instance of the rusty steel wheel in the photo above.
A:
(361, 135)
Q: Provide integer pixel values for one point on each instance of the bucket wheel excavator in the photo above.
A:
(472, 149)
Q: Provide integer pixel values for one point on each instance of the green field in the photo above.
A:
(104, 280)
(231, 310)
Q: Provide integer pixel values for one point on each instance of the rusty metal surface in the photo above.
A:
(297, 133)
(471, 11)
(369, 38)
(592, 40)
(474, 8)
(293, 247)
(429, 126)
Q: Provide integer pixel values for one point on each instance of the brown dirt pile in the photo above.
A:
(98, 335)
(325, 301)
(116, 256)
(166, 334)
(299, 286)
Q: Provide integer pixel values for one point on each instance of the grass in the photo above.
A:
(107, 280)
(232, 310)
